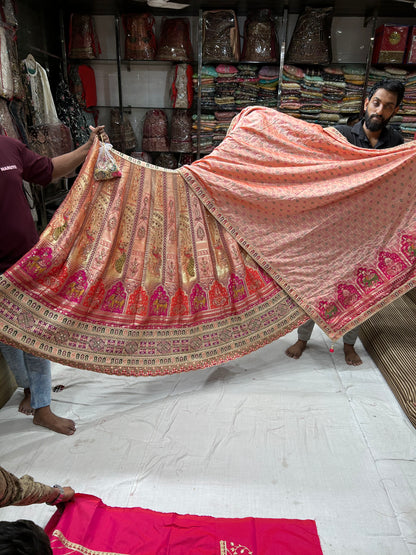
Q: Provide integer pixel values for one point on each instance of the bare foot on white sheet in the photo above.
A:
(25, 407)
(352, 358)
(45, 417)
(296, 350)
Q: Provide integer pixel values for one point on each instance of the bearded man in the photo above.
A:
(382, 103)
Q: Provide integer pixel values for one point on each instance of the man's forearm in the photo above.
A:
(66, 163)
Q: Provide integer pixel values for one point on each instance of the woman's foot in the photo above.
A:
(25, 407)
(45, 417)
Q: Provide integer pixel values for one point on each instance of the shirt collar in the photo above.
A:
(358, 130)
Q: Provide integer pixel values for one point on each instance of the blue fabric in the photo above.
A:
(30, 372)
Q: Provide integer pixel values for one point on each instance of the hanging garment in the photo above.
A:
(40, 100)
(7, 124)
(182, 90)
(50, 139)
(87, 525)
(83, 38)
(175, 40)
(140, 39)
(311, 39)
(260, 44)
(121, 132)
(7, 12)
(162, 271)
(220, 36)
(6, 75)
(70, 114)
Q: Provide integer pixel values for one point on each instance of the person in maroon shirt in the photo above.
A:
(18, 235)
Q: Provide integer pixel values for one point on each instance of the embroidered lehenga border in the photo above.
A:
(162, 271)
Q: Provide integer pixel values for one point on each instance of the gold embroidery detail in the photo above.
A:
(80, 548)
(234, 549)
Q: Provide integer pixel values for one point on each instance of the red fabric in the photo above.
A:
(87, 76)
(87, 525)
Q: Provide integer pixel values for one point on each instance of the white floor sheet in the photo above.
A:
(263, 436)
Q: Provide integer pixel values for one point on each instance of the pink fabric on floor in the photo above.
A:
(90, 527)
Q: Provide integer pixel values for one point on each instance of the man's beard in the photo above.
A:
(373, 124)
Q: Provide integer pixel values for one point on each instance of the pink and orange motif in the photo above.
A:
(347, 295)
(159, 302)
(218, 296)
(37, 261)
(180, 304)
(368, 279)
(391, 264)
(198, 299)
(138, 303)
(75, 287)
(115, 298)
(408, 247)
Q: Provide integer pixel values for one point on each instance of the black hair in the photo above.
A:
(392, 85)
(23, 537)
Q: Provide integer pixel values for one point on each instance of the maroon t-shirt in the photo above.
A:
(18, 232)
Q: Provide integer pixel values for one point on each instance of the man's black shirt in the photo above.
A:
(389, 137)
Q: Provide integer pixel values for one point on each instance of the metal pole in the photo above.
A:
(198, 109)
(369, 59)
(282, 56)
(120, 89)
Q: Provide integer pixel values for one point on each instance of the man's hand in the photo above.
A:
(98, 132)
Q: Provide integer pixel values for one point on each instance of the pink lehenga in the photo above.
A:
(162, 271)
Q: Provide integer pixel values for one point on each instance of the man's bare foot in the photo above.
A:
(296, 350)
(25, 407)
(45, 417)
(351, 357)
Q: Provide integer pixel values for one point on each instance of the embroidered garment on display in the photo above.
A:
(87, 525)
(41, 104)
(162, 271)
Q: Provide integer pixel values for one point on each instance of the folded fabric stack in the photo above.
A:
(208, 75)
(311, 94)
(408, 108)
(207, 127)
(267, 87)
(333, 93)
(291, 86)
(225, 86)
(247, 90)
(376, 74)
(222, 123)
(354, 75)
